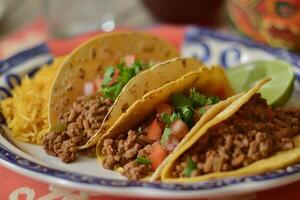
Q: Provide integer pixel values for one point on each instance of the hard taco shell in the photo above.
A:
(158, 76)
(279, 160)
(91, 59)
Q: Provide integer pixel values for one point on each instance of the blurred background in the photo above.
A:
(70, 17)
(274, 22)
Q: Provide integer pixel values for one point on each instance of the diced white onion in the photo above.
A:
(89, 89)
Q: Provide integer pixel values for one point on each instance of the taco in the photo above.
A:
(247, 138)
(155, 126)
(96, 77)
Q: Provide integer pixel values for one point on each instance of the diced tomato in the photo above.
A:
(164, 108)
(157, 155)
(114, 78)
(155, 130)
(97, 84)
(129, 60)
(89, 89)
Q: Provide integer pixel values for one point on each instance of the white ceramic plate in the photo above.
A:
(87, 174)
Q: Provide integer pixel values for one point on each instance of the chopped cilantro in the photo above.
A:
(121, 66)
(191, 165)
(214, 99)
(186, 114)
(138, 66)
(197, 98)
(143, 160)
(202, 110)
(113, 91)
(174, 117)
(126, 73)
(179, 100)
(108, 75)
(185, 106)
(165, 136)
(167, 119)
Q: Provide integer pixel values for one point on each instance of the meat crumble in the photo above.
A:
(123, 151)
(80, 123)
(254, 132)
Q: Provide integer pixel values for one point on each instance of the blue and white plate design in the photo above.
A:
(86, 174)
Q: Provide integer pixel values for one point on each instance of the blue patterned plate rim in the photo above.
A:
(280, 53)
(9, 158)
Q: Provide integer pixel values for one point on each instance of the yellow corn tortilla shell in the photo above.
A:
(141, 109)
(146, 81)
(279, 160)
(91, 59)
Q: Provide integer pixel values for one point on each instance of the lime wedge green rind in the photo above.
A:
(277, 92)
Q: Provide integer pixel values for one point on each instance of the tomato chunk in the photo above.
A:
(157, 155)
(155, 130)
(97, 84)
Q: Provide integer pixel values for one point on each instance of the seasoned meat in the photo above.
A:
(82, 120)
(255, 132)
(135, 171)
(123, 152)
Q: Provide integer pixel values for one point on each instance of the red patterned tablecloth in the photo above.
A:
(18, 187)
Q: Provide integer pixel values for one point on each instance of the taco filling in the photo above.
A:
(78, 124)
(141, 150)
(255, 132)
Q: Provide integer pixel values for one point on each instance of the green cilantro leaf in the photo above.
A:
(137, 66)
(167, 119)
(175, 116)
(191, 165)
(165, 136)
(186, 114)
(121, 66)
(142, 160)
(202, 110)
(113, 91)
(108, 75)
(125, 75)
(213, 99)
(179, 100)
(197, 98)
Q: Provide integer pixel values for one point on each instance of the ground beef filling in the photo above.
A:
(255, 132)
(82, 120)
(123, 151)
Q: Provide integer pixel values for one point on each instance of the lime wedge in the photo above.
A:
(277, 92)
